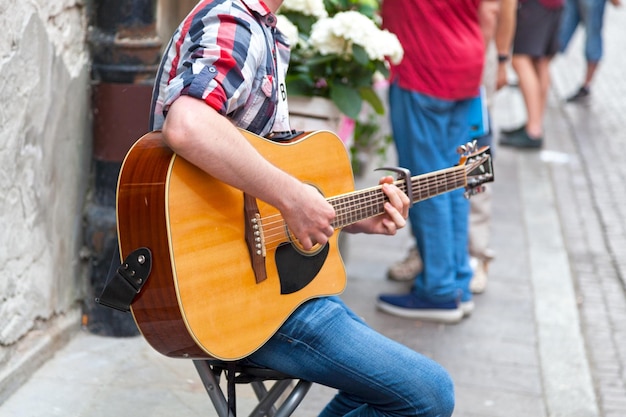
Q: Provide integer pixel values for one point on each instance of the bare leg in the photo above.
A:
(591, 70)
(531, 88)
(542, 67)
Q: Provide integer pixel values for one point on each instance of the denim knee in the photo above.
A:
(445, 396)
(433, 397)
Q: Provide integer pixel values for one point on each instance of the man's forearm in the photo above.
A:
(210, 141)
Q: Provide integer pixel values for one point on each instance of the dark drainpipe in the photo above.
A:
(125, 51)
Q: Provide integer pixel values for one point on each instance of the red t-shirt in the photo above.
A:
(443, 46)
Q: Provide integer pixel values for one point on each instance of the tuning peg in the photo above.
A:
(473, 191)
(468, 148)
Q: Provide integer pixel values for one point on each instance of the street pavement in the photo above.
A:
(547, 338)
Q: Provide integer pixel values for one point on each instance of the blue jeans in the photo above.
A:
(591, 14)
(325, 342)
(427, 132)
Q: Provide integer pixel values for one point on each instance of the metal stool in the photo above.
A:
(210, 372)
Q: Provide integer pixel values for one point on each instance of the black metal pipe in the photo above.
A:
(124, 44)
(125, 51)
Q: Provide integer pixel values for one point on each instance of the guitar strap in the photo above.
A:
(125, 280)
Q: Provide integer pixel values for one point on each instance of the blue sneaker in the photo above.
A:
(410, 306)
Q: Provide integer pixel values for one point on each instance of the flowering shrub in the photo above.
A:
(337, 48)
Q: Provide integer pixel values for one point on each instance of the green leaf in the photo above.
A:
(298, 87)
(320, 59)
(383, 69)
(346, 99)
(370, 96)
(302, 22)
(360, 55)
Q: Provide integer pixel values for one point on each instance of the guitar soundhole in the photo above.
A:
(295, 243)
(296, 269)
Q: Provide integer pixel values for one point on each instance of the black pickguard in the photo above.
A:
(296, 270)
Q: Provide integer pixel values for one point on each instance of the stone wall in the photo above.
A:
(45, 155)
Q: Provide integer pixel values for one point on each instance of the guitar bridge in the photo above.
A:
(259, 238)
(254, 238)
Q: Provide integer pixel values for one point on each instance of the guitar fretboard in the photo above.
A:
(359, 205)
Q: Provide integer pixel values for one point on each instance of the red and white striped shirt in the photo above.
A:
(229, 54)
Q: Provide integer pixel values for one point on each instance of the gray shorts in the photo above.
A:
(537, 30)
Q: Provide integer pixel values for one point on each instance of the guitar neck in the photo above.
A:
(359, 205)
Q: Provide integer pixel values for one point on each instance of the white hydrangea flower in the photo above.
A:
(314, 8)
(385, 44)
(336, 35)
(324, 38)
(288, 29)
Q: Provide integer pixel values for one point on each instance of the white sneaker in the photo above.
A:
(478, 284)
(408, 268)
(467, 307)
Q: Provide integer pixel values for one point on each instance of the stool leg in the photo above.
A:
(212, 386)
(265, 407)
(294, 399)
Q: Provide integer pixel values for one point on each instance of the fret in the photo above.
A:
(437, 183)
(359, 205)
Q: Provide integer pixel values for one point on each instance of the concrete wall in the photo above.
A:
(45, 155)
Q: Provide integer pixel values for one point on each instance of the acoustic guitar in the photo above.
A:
(226, 272)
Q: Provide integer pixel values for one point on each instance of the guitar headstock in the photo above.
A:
(478, 167)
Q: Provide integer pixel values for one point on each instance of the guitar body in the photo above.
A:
(202, 298)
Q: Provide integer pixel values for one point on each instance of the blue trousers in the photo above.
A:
(590, 13)
(427, 132)
(325, 342)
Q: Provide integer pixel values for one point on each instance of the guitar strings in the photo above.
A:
(347, 204)
(366, 202)
(418, 186)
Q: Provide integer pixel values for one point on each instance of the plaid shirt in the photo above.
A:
(224, 53)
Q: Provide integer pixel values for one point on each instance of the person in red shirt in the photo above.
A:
(429, 98)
